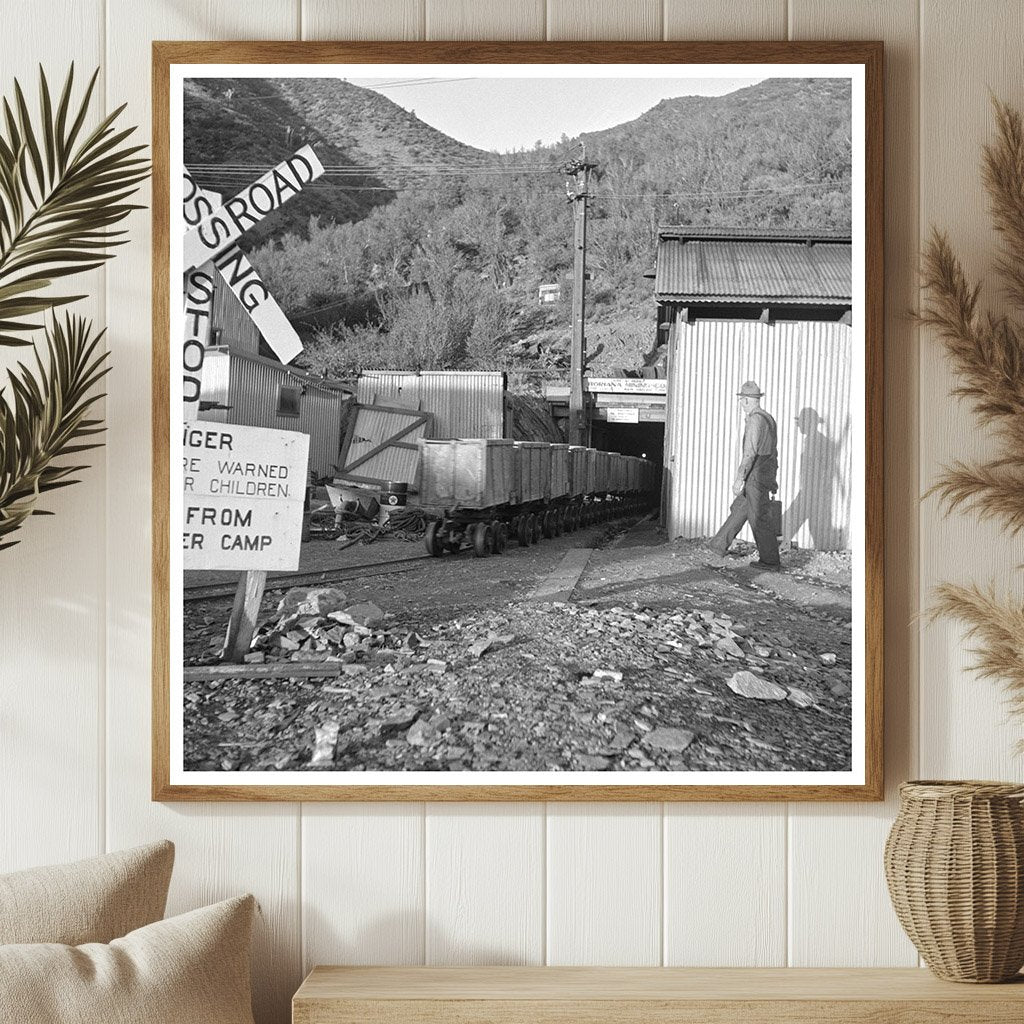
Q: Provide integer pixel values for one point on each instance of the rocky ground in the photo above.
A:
(662, 658)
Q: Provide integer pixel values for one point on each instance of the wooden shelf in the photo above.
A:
(628, 995)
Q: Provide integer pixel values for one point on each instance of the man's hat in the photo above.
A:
(750, 390)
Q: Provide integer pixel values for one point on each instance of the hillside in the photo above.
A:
(416, 250)
(235, 128)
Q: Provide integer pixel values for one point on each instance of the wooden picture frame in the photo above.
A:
(168, 783)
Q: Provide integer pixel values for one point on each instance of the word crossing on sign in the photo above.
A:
(226, 224)
(244, 492)
(198, 302)
(245, 283)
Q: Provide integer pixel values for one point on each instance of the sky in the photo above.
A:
(513, 113)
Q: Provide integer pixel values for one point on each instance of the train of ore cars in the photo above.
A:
(486, 493)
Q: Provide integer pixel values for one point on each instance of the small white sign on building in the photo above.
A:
(626, 385)
(617, 415)
(244, 489)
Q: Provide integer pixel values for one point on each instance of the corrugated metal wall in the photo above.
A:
(237, 331)
(461, 403)
(250, 386)
(804, 370)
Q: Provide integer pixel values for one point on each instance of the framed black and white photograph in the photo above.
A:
(530, 407)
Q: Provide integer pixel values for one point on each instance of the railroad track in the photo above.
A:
(284, 581)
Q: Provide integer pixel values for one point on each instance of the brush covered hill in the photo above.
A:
(236, 128)
(433, 257)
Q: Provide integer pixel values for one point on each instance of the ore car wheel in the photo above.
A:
(523, 532)
(533, 528)
(498, 537)
(432, 541)
(547, 525)
(483, 540)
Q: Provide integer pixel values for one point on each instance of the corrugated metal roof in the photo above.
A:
(703, 266)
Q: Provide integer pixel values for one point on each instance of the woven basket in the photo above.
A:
(954, 861)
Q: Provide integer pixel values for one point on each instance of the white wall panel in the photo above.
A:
(363, 885)
(725, 885)
(604, 19)
(967, 49)
(485, 884)
(52, 620)
(604, 884)
(382, 19)
(725, 19)
(485, 19)
(222, 848)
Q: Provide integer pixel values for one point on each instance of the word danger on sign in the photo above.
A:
(224, 225)
(244, 491)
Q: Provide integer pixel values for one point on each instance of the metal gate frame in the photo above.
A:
(419, 419)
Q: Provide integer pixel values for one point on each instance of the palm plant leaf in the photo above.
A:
(46, 419)
(62, 192)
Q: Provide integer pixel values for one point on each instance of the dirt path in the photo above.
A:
(631, 674)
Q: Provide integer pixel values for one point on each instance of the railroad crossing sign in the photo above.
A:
(244, 486)
(210, 249)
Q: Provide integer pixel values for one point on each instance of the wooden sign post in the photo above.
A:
(244, 490)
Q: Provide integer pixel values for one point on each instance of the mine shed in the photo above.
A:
(737, 304)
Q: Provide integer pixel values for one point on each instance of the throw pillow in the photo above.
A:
(92, 900)
(190, 969)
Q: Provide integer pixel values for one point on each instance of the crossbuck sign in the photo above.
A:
(210, 249)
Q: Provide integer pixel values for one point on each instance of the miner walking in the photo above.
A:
(755, 484)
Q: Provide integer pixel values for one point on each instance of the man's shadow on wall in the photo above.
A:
(819, 480)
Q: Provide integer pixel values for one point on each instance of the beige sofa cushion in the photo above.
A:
(93, 900)
(191, 969)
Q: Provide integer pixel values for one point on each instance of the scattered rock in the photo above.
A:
(746, 684)
(317, 601)
(399, 720)
(801, 698)
(254, 658)
(421, 733)
(437, 666)
(762, 652)
(592, 763)
(729, 646)
(828, 659)
(365, 613)
(841, 690)
(325, 741)
(668, 739)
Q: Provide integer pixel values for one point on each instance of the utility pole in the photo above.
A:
(578, 194)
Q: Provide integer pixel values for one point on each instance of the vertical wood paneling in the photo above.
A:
(485, 884)
(485, 19)
(725, 885)
(604, 884)
(604, 19)
(967, 49)
(222, 849)
(383, 19)
(51, 583)
(725, 19)
(362, 884)
(835, 852)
